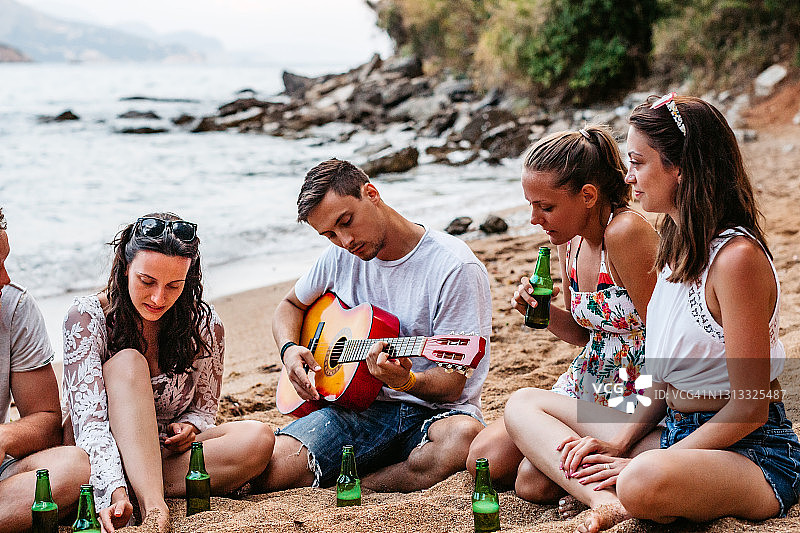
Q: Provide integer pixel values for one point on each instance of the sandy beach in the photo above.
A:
(520, 358)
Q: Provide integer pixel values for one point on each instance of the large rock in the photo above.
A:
(409, 67)
(253, 114)
(142, 131)
(242, 104)
(296, 85)
(484, 121)
(494, 224)
(207, 124)
(183, 119)
(766, 81)
(405, 159)
(66, 115)
(306, 117)
(397, 93)
(455, 90)
(420, 109)
(139, 115)
(458, 225)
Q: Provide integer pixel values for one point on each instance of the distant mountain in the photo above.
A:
(189, 39)
(46, 38)
(11, 55)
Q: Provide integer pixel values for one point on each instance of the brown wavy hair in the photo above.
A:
(181, 337)
(578, 159)
(714, 192)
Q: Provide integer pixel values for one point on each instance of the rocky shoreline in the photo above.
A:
(460, 124)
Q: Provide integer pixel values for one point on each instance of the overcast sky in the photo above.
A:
(318, 30)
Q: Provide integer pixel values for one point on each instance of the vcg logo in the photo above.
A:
(616, 391)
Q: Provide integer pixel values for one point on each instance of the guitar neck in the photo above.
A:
(358, 349)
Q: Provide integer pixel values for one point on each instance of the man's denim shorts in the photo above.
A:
(383, 434)
(773, 447)
(5, 463)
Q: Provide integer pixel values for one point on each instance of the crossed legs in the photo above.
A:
(657, 484)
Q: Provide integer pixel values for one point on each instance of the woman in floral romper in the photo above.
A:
(575, 184)
(143, 365)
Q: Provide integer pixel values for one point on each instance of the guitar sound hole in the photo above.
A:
(336, 352)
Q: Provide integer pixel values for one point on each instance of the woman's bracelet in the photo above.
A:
(408, 385)
(286, 347)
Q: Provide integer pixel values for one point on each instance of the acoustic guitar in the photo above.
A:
(340, 339)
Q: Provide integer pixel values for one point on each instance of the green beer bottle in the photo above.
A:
(485, 503)
(198, 482)
(44, 510)
(87, 517)
(348, 486)
(539, 317)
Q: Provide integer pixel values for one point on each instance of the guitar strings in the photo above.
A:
(357, 346)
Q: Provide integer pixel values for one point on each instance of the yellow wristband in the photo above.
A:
(408, 385)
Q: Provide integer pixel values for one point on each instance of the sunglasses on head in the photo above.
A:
(669, 101)
(155, 227)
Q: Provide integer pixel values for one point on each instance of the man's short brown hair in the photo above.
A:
(341, 177)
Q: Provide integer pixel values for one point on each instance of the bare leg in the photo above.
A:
(504, 457)
(700, 485)
(444, 455)
(287, 468)
(132, 415)
(69, 468)
(538, 420)
(233, 453)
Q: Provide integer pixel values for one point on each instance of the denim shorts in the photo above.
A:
(383, 434)
(773, 447)
(7, 461)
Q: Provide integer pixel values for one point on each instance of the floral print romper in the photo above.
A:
(616, 339)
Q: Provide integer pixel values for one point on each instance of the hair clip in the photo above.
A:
(585, 134)
(669, 101)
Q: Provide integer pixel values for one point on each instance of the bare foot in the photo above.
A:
(569, 507)
(603, 517)
(157, 519)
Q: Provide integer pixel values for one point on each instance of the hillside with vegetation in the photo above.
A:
(587, 50)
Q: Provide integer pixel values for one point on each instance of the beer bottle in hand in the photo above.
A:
(348, 486)
(539, 317)
(485, 503)
(44, 509)
(198, 482)
(87, 517)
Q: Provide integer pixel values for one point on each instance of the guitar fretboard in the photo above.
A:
(358, 349)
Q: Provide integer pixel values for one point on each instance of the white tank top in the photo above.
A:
(685, 346)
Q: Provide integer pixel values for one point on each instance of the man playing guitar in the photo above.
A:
(419, 429)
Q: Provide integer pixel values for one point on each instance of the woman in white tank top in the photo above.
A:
(712, 351)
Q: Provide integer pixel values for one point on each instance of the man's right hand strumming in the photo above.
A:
(296, 359)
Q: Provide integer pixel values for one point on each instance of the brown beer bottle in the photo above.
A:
(539, 317)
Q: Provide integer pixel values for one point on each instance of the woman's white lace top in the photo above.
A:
(191, 397)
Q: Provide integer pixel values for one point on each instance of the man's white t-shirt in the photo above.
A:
(438, 288)
(24, 344)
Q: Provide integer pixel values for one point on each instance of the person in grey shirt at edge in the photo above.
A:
(33, 441)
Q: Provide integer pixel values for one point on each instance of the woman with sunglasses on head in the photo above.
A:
(712, 350)
(143, 365)
(575, 184)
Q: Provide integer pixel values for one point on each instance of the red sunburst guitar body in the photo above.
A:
(337, 337)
